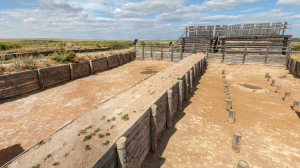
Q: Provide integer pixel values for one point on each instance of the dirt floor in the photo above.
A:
(82, 142)
(202, 137)
(27, 119)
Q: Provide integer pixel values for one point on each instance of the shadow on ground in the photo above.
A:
(9, 153)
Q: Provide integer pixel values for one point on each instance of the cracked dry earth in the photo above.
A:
(28, 118)
(202, 137)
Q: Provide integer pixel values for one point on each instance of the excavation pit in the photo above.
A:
(250, 87)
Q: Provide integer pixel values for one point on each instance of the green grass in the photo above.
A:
(63, 56)
(56, 163)
(101, 135)
(107, 134)
(87, 147)
(7, 46)
(106, 143)
(41, 143)
(87, 137)
(37, 166)
(125, 117)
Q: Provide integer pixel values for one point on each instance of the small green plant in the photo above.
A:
(87, 137)
(87, 147)
(178, 78)
(194, 52)
(97, 130)
(47, 64)
(63, 56)
(106, 143)
(134, 111)
(96, 107)
(103, 118)
(41, 143)
(101, 135)
(66, 154)
(125, 117)
(107, 134)
(37, 166)
(108, 120)
(111, 127)
(113, 119)
(102, 55)
(56, 163)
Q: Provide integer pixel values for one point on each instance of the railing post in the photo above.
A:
(143, 56)
(151, 52)
(162, 52)
(267, 53)
(171, 52)
(245, 53)
(207, 51)
(186, 30)
(121, 148)
(153, 133)
(134, 51)
(186, 76)
(223, 56)
(191, 81)
(181, 90)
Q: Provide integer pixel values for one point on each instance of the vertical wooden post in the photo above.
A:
(269, 78)
(151, 52)
(134, 51)
(186, 76)
(41, 81)
(267, 53)
(171, 52)
(71, 71)
(273, 82)
(162, 52)
(124, 59)
(267, 75)
(229, 105)
(180, 53)
(226, 89)
(236, 142)
(181, 92)
(108, 62)
(231, 116)
(223, 72)
(195, 74)
(200, 67)
(143, 56)
(286, 96)
(169, 109)
(227, 96)
(193, 47)
(223, 56)
(119, 59)
(153, 123)
(91, 66)
(191, 81)
(278, 88)
(121, 148)
(186, 31)
(245, 53)
(296, 105)
(225, 83)
(284, 27)
(207, 51)
(242, 164)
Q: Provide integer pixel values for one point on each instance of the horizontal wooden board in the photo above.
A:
(54, 75)
(81, 69)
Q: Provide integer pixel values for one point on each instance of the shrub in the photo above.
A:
(65, 56)
(195, 52)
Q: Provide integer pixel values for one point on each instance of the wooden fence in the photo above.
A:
(293, 66)
(144, 133)
(161, 55)
(22, 82)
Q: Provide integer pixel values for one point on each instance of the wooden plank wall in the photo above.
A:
(23, 82)
(53, 75)
(138, 135)
(18, 83)
(121, 59)
(126, 57)
(294, 67)
(81, 69)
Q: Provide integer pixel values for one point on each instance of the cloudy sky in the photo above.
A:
(124, 19)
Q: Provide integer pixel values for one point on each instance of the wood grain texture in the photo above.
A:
(81, 69)
(99, 64)
(113, 61)
(55, 75)
(18, 83)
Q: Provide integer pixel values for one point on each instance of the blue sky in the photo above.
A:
(124, 19)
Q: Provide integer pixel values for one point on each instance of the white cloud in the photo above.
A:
(288, 2)
(251, 9)
(224, 4)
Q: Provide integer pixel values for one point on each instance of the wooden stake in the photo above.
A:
(227, 96)
(296, 105)
(267, 75)
(267, 53)
(242, 164)
(162, 52)
(171, 53)
(195, 74)
(121, 148)
(153, 133)
(181, 90)
(236, 142)
(187, 86)
(286, 96)
(231, 118)
(229, 105)
(273, 82)
(278, 88)
(191, 81)
(226, 88)
(223, 72)
(223, 77)
(108, 61)
(71, 71)
(269, 78)
(169, 107)
(151, 52)
(225, 83)
(91, 66)
(41, 81)
(245, 53)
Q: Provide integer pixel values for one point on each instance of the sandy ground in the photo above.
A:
(202, 137)
(67, 147)
(26, 119)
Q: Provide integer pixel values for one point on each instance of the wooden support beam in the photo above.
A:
(153, 131)
(169, 109)
(121, 148)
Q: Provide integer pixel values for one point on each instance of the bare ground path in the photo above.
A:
(26, 119)
(202, 137)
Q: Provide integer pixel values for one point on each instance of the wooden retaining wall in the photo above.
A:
(126, 57)
(294, 67)
(23, 82)
(18, 83)
(138, 135)
(166, 56)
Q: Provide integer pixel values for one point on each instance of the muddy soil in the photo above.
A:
(202, 137)
(26, 119)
